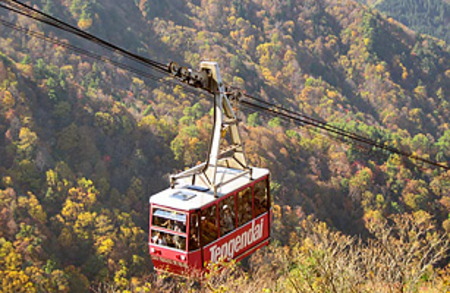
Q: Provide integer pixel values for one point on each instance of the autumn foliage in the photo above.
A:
(83, 144)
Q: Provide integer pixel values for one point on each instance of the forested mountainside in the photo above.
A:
(83, 144)
(427, 17)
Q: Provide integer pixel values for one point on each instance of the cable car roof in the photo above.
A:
(185, 196)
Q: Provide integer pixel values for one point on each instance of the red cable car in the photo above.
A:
(218, 210)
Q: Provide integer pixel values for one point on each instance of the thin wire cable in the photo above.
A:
(270, 107)
(45, 18)
(35, 14)
(98, 57)
(338, 131)
(308, 118)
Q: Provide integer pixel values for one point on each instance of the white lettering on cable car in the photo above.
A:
(240, 242)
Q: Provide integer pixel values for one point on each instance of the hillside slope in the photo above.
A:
(426, 17)
(84, 143)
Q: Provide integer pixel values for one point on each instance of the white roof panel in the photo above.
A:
(186, 197)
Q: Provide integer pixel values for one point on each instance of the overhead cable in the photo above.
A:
(95, 56)
(30, 12)
(260, 105)
(299, 119)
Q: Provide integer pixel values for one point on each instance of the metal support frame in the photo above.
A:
(225, 122)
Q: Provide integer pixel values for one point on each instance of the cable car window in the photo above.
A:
(168, 239)
(261, 198)
(245, 205)
(171, 220)
(227, 215)
(194, 237)
(209, 225)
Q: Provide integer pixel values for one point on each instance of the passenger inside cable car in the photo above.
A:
(172, 230)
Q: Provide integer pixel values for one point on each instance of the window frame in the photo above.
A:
(202, 242)
(234, 210)
(159, 229)
(265, 182)
(194, 229)
(250, 186)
